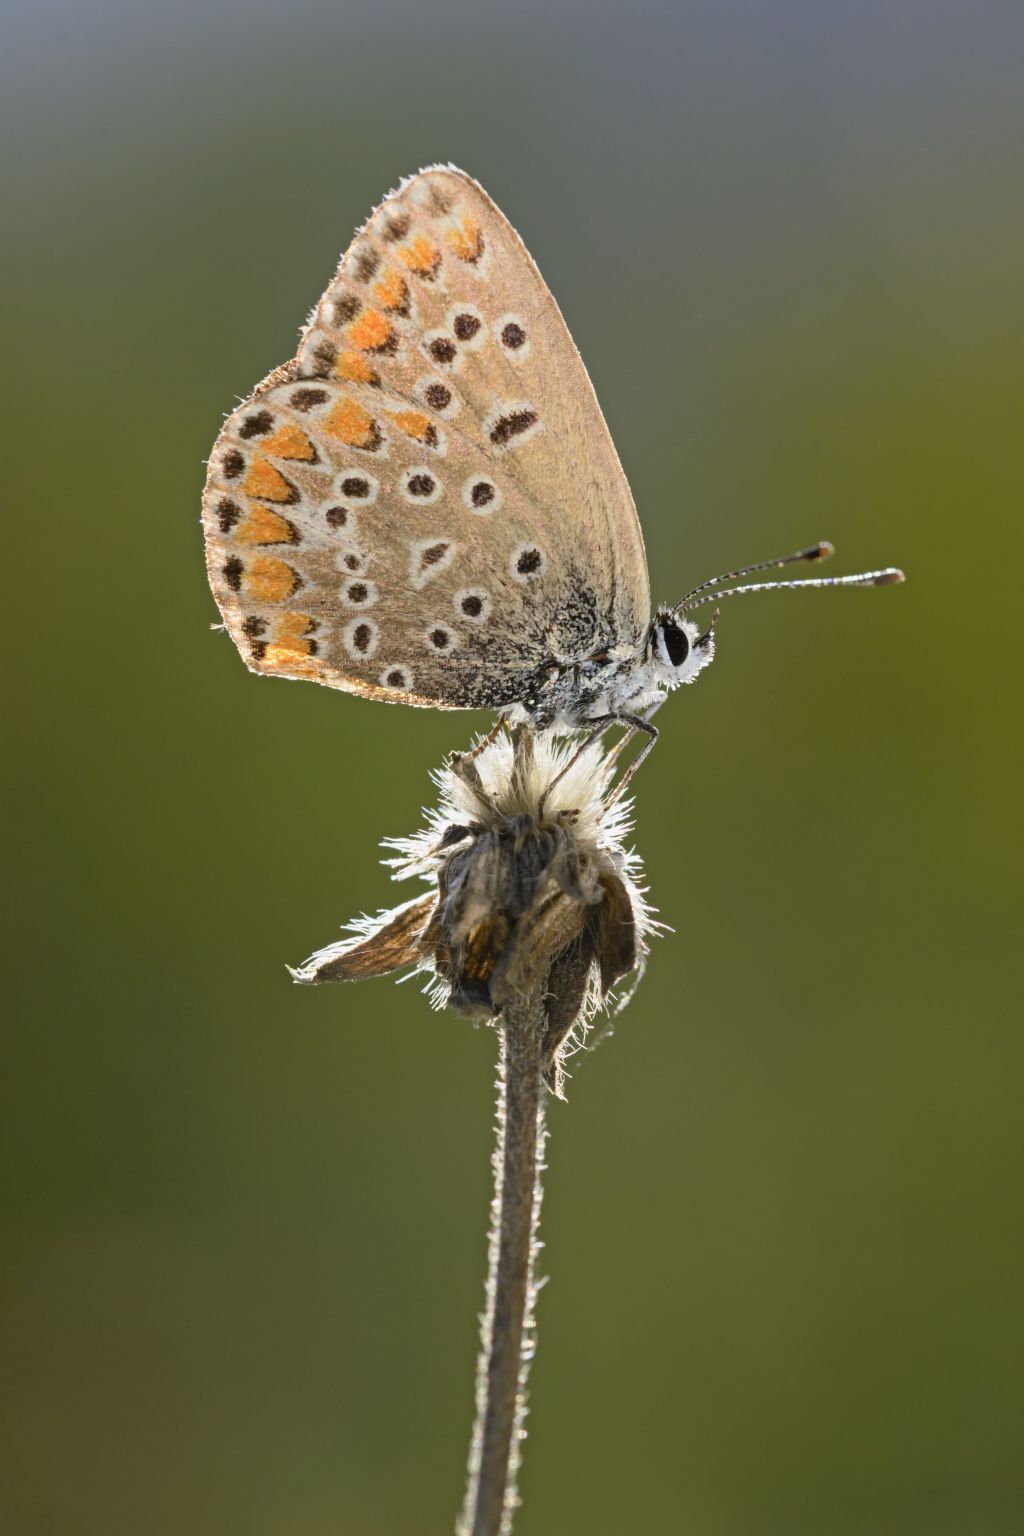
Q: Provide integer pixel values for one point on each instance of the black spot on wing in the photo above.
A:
(511, 426)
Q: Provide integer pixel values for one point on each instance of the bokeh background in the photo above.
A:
(245, 1223)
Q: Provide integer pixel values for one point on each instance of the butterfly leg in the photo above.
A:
(467, 757)
(635, 723)
(600, 725)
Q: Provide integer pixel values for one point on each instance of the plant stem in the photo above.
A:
(507, 1328)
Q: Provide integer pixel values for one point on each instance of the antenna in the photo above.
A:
(890, 577)
(820, 551)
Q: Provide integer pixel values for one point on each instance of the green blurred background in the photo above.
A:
(246, 1222)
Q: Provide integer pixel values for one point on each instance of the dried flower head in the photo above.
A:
(530, 880)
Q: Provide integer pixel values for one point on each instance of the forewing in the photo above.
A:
(426, 504)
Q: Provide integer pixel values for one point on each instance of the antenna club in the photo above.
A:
(890, 578)
(821, 551)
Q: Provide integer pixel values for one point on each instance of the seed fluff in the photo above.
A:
(528, 874)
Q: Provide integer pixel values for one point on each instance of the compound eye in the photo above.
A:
(676, 641)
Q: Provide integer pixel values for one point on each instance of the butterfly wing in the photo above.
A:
(426, 504)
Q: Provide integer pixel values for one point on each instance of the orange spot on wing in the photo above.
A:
(371, 331)
(412, 423)
(289, 442)
(270, 581)
(290, 647)
(265, 481)
(420, 255)
(391, 292)
(293, 655)
(294, 626)
(262, 526)
(465, 239)
(349, 421)
(349, 365)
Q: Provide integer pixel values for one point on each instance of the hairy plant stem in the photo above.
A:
(507, 1328)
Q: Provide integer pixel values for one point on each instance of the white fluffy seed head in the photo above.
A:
(526, 862)
(578, 793)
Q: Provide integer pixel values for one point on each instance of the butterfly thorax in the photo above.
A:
(618, 682)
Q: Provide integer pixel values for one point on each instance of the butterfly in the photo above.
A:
(425, 505)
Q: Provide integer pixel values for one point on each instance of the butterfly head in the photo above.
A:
(678, 650)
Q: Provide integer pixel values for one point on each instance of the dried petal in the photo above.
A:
(536, 942)
(530, 860)
(387, 948)
(614, 932)
(472, 963)
(567, 986)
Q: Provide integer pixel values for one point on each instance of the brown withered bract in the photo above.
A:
(526, 886)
